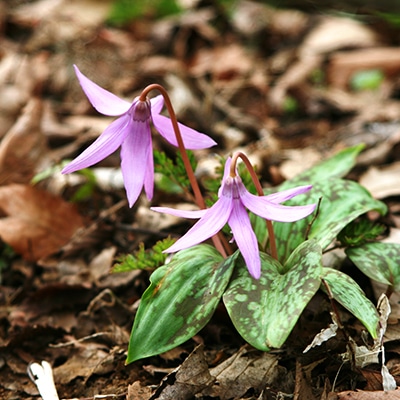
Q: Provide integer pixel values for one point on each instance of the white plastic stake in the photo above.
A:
(42, 377)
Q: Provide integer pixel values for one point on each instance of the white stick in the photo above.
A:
(42, 377)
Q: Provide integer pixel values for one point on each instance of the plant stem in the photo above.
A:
(186, 162)
(270, 228)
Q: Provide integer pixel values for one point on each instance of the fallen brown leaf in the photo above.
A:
(37, 223)
(382, 182)
(364, 395)
(23, 147)
(138, 392)
(243, 370)
(344, 64)
(190, 378)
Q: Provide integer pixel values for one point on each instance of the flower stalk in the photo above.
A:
(186, 162)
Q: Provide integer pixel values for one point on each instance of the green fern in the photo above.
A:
(144, 259)
(173, 177)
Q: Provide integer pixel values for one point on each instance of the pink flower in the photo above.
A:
(231, 208)
(132, 132)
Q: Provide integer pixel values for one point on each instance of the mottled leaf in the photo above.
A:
(347, 292)
(265, 311)
(342, 202)
(379, 261)
(181, 299)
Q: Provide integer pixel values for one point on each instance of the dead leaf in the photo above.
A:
(138, 392)
(60, 20)
(92, 358)
(187, 380)
(344, 64)
(388, 381)
(224, 63)
(335, 33)
(303, 388)
(382, 182)
(364, 395)
(331, 34)
(298, 161)
(37, 223)
(324, 335)
(23, 147)
(101, 265)
(244, 370)
(373, 378)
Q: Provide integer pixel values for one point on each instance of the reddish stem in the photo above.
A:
(186, 162)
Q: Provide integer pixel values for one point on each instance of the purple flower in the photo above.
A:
(231, 208)
(132, 132)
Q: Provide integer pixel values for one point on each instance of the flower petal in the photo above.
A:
(134, 158)
(157, 104)
(227, 169)
(102, 147)
(192, 139)
(275, 212)
(245, 238)
(149, 176)
(280, 197)
(180, 213)
(102, 100)
(211, 223)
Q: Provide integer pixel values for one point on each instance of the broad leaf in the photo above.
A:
(180, 301)
(347, 292)
(342, 202)
(265, 311)
(379, 261)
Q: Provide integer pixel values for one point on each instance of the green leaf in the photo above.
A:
(359, 232)
(124, 11)
(142, 258)
(369, 79)
(342, 202)
(379, 261)
(265, 311)
(181, 299)
(347, 292)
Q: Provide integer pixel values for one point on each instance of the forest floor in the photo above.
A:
(288, 87)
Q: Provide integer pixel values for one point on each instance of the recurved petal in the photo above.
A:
(211, 223)
(245, 238)
(157, 104)
(102, 100)
(192, 139)
(275, 212)
(102, 147)
(280, 197)
(134, 158)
